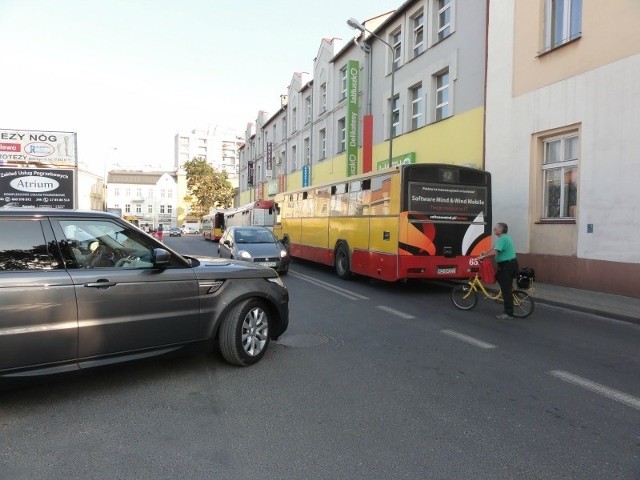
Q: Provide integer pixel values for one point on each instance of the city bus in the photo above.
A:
(213, 225)
(418, 221)
(258, 213)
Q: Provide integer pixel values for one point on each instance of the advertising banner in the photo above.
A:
(353, 132)
(32, 148)
(250, 173)
(406, 159)
(452, 203)
(269, 160)
(36, 188)
(306, 170)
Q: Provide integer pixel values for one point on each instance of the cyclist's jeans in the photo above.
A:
(505, 275)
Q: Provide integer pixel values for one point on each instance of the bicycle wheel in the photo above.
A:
(522, 304)
(463, 297)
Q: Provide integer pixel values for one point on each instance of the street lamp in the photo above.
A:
(356, 25)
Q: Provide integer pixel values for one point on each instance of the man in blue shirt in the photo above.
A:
(505, 254)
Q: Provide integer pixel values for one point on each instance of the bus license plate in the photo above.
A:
(446, 270)
(267, 264)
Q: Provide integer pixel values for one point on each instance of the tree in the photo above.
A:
(207, 189)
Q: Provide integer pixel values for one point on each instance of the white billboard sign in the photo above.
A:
(33, 148)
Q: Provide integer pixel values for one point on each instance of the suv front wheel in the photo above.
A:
(244, 333)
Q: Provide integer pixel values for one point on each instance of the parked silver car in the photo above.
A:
(254, 244)
(84, 289)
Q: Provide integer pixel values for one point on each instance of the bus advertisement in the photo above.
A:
(419, 221)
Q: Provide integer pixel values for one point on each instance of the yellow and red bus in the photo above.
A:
(410, 221)
(213, 225)
(259, 213)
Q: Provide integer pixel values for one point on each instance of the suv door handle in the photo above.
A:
(103, 283)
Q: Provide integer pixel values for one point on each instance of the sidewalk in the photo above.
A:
(605, 304)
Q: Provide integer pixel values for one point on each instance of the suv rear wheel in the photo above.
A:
(244, 333)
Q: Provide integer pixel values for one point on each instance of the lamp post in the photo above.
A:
(356, 25)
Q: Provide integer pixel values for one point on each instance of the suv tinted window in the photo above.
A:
(23, 246)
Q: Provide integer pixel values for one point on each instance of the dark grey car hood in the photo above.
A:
(216, 268)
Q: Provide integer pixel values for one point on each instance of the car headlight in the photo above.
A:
(244, 255)
(283, 253)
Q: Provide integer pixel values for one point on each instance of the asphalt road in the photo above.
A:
(371, 381)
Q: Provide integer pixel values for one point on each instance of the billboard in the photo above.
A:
(353, 140)
(37, 187)
(33, 148)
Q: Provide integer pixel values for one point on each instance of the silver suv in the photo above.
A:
(84, 289)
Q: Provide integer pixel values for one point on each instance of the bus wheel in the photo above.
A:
(342, 263)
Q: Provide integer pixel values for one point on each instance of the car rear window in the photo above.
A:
(23, 246)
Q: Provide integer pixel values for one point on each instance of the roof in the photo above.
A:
(136, 177)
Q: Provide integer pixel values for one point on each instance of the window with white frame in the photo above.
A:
(342, 135)
(323, 97)
(170, 193)
(307, 108)
(307, 151)
(323, 144)
(150, 192)
(150, 209)
(139, 192)
(127, 208)
(139, 208)
(294, 119)
(563, 22)
(169, 208)
(127, 192)
(560, 176)
(444, 19)
(396, 46)
(161, 208)
(418, 33)
(116, 192)
(275, 131)
(395, 115)
(442, 95)
(163, 193)
(417, 107)
(343, 83)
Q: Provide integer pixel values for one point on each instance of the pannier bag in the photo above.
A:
(525, 277)
(487, 272)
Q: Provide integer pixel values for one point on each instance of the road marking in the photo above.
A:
(397, 313)
(468, 339)
(332, 288)
(597, 388)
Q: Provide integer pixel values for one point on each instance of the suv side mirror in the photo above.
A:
(161, 258)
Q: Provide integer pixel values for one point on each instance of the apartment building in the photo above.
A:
(563, 83)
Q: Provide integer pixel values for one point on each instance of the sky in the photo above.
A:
(127, 75)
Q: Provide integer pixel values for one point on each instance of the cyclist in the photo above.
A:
(505, 254)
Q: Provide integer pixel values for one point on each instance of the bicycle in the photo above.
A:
(465, 297)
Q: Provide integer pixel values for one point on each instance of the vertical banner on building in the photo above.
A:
(282, 187)
(269, 171)
(306, 170)
(353, 95)
(249, 173)
(260, 191)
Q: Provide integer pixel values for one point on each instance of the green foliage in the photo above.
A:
(207, 189)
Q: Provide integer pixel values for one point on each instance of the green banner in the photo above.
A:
(405, 159)
(353, 131)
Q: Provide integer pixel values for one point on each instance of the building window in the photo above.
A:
(323, 144)
(342, 135)
(307, 107)
(127, 192)
(163, 193)
(417, 107)
(323, 97)
(396, 44)
(127, 208)
(294, 160)
(139, 208)
(169, 209)
(444, 19)
(418, 34)
(116, 192)
(150, 192)
(343, 83)
(563, 22)
(170, 193)
(294, 119)
(560, 177)
(307, 151)
(161, 208)
(395, 115)
(442, 95)
(139, 192)
(275, 131)
(149, 209)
